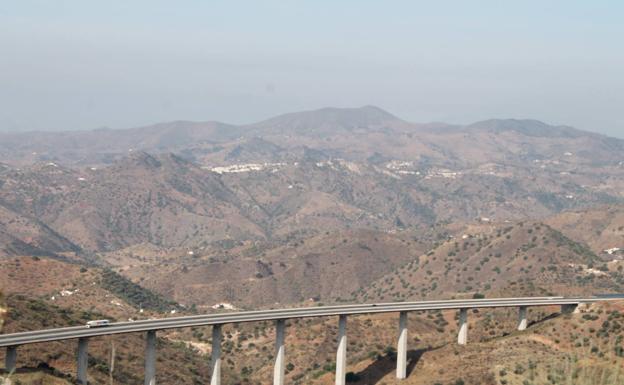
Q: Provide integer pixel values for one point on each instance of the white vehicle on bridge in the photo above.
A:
(98, 323)
(104, 327)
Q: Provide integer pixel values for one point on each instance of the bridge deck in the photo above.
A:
(276, 314)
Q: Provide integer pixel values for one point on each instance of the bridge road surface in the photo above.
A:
(150, 326)
(47, 335)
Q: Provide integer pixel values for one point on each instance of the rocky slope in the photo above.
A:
(581, 348)
(167, 201)
(350, 133)
(520, 259)
(601, 228)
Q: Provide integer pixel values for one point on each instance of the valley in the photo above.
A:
(321, 207)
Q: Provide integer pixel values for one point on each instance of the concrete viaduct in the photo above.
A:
(12, 341)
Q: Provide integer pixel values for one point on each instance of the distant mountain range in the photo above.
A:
(349, 133)
(299, 172)
(326, 206)
(279, 197)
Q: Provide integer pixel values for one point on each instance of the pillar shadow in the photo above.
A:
(544, 319)
(386, 364)
(43, 367)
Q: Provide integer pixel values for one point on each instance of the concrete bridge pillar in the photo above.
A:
(150, 358)
(10, 359)
(278, 369)
(522, 318)
(83, 360)
(215, 377)
(402, 347)
(341, 355)
(462, 337)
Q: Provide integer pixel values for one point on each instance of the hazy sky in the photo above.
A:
(86, 64)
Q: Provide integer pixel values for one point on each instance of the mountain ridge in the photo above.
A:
(348, 132)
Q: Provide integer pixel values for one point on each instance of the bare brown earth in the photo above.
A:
(583, 348)
(318, 207)
(326, 267)
(292, 175)
(60, 283)
(169, 202)
(525, 258)
(54, 363)
(601, 228)
(549, 346)
(350, 133)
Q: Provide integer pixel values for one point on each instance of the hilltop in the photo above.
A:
(325, 268)
(75, 286)
(284, 231)
(54, 362)
(194, 185)
(349, 133)
(587, 343)
(309, 208)
(139, 198)
(521, 259)
(601, 228)
(579, 349)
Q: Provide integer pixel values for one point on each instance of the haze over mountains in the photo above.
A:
(333, 205)
(351, 133)
(307, 178)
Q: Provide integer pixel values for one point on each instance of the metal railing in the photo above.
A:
(83, 333)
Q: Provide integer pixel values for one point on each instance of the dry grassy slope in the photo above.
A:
(165, 201)
(488, 141)
(310, 343)
(175, 365)
(352, 133)
(21, 231)
(169, 202)
(601, 228)
(104, 146)
(495, 351)
(504, 140)
(577, 349)
(330, 194)
(557, 347)
(73, 286)
(247, 348)
(21, 235)
(341, 193)
(525, 258)
(326, 267)
(43, 278)
(326, 121)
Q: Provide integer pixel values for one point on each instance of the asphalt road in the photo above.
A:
(275, 314)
